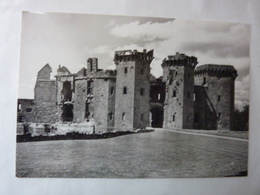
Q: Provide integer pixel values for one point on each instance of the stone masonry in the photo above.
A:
(128, 98)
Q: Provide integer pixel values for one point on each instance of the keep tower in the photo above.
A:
(132, 106)
(217, 99)
(178, 75)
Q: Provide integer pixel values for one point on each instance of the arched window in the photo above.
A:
(125, 70)
(123, 116)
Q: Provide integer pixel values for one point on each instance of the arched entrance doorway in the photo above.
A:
(67, 112)
(157, 116)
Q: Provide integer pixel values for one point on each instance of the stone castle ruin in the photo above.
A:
(128, 98)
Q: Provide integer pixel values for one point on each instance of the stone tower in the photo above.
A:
(215, 86)
(132, 104)
(45, 97)
(178, 75)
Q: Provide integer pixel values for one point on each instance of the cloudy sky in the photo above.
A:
(70, 39)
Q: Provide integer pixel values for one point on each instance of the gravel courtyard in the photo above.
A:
(158, 154)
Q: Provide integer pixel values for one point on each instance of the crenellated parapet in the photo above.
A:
(180, 59)
(216, 70)
(129, 55)
(101, 74)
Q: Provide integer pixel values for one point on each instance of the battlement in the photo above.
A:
(180, 59)
(100, 74)
(129, 55)
(216, 70)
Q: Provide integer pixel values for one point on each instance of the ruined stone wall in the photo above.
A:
(80, 99)
(44, 73)
(26, 110)
(45, 98)
(103, 104)
(219, 86)
(111, 104)
(59, 84)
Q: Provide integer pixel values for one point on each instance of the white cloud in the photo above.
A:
(242, 92)
(93, 52)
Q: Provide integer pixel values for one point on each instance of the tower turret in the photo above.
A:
(132, 89)
(217, 83)
(178, 75)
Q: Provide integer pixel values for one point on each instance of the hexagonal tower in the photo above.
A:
(132, 105)
(217, 83)
(178, 75)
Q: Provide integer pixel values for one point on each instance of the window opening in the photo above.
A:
(219, 116)
(110, 115)
(90, 87)
(142, 117)
(204, 81)
(173, 118)
(174, 93)
(28, 109)
(142, 71)
(142, 92)
(219, 97)
(111, 90)
(125, 90)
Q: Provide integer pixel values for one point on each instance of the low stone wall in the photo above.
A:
(36, 129)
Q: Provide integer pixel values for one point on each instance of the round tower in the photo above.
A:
(178, 75)
(218, 84)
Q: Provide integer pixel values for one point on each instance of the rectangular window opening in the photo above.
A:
(110, 116)
(89, 87)
(219, 116)
(174, 93)
(142, 92)
(28, 109)
(111, 90)
(219, 97)
(125, 90)
(19, 107)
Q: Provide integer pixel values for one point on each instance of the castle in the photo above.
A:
(185, 97)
